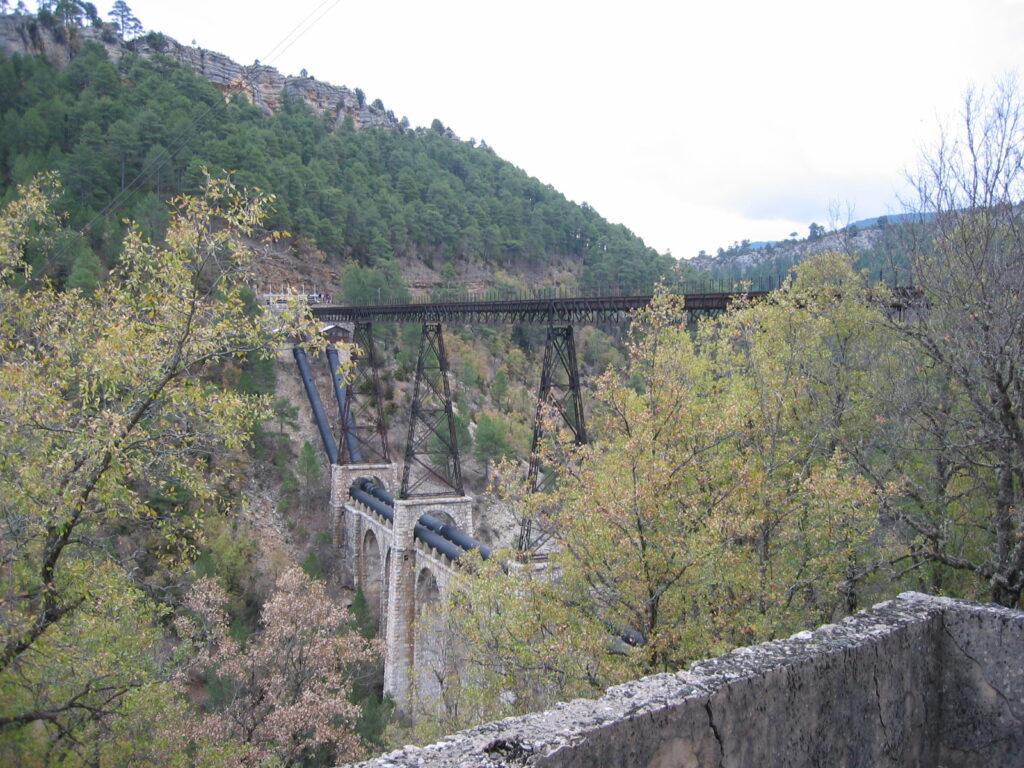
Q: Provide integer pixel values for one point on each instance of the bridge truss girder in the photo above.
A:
(596, 310)
(363, 409)
(561, 396)
(432, 463)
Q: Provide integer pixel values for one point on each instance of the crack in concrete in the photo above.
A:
(1006, 700)
(980, 749)
(878, 707)
(714, 730)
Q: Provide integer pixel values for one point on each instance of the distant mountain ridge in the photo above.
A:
(874, 241)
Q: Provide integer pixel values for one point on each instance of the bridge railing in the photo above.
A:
(458, 294)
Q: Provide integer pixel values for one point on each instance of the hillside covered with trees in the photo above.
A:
(878, 245)
(127, 136)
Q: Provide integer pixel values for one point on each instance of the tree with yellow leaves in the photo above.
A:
(715, 509)
(106, 403)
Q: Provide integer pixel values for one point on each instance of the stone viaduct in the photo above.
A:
(400, 536)
(399, 572)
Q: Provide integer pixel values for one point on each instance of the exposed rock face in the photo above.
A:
(846, 240)
(25, 35)
(265, 87)
(261, 85)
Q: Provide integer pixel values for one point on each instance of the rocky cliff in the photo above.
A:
(849, 240)
(265, 87)
(261, 85)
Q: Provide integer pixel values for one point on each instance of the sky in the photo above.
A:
(695, 124)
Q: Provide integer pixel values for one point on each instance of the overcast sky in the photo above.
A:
(695, 124)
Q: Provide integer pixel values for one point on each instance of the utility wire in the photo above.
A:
(286, 43)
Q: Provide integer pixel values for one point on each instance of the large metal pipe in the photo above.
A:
(375, 504)
(370, 487)
(455, 536)
(314, 402)
(355, 456)
(450, 532)
(428, 537)
(440, 543)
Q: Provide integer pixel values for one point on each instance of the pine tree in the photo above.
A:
(128, 26)
(309, 469)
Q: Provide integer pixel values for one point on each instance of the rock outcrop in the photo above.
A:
(263, 86)
(849, 240)
(266, 88)
(20, 33)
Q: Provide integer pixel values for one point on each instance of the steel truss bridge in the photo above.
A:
(432, 465)
(540, 307)
(582, 310)
(406, 533)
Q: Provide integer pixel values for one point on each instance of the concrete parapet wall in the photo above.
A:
(982, 652)
(916, 681)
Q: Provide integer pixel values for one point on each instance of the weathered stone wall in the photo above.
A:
(917, 681)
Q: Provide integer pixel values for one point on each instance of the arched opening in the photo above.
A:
(432, 651)
(443, 516)
(427, 591)
(371, 577)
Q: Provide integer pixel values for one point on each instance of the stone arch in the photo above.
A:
(427, 591)
(371, 579)
(443, 516)
(431, 651)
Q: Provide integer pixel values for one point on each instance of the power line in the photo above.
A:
(286, 43)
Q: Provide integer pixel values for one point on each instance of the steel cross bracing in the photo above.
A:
(560, 396)
(588, 310)
(363, 417)
(432, 464)
(559, 392)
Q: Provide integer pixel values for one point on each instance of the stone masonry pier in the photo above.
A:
(916, 681)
